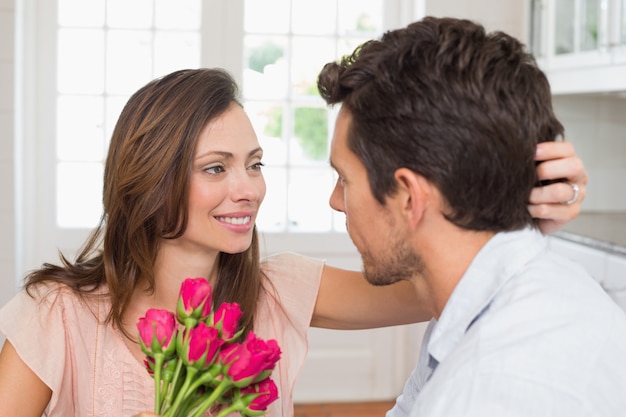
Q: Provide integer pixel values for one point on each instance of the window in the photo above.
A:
(87, 58)
(106, 50)
(286, 43)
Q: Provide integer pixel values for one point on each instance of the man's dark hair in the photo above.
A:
(462, 107)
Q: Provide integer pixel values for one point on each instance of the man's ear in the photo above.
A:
(412, 195)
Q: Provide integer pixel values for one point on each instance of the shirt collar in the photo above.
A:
(495, 264)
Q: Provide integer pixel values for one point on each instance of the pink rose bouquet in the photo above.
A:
(196, 363)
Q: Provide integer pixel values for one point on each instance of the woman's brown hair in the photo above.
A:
(145, 195)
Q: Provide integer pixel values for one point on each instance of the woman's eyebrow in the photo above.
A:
(228, 155)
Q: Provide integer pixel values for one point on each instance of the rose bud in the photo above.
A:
(250, 361)
(200, 346)
(194, 300)
(157, 332)
(226, 319)
(260, 395)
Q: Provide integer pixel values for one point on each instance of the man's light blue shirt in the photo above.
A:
(526, 332)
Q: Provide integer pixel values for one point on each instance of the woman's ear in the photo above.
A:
(412, 195)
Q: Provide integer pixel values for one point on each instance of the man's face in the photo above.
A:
(374, 228)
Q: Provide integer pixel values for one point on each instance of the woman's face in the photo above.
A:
(226, 185)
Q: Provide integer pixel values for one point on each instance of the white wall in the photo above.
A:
(596, 126)
(505, 15)
(8, 279)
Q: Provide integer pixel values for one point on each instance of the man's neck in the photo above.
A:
(447, 255)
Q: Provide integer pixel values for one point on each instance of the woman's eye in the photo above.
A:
(257, 166)
(218, 169)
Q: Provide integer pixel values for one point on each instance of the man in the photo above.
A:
(434, 148)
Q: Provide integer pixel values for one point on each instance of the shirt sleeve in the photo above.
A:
(295, 281)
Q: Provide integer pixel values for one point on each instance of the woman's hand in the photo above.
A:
(551, 203)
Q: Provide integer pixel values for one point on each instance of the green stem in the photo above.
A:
(182, 393)
(211, 399)
(158, 364)
(208, 376)
(228, 410)
(174, 384)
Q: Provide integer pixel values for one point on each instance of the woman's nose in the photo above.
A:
(246, 186)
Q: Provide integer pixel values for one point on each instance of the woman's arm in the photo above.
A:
(546, 203)
(22, 393)
(347, 301)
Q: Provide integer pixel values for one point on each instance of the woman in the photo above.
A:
(182, 188)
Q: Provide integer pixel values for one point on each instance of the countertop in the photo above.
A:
(604, 231)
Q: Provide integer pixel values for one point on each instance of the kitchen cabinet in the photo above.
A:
(580, 44)
(609, 269)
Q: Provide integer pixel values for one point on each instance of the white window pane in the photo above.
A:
(80, 128)
(178, 14)
(81, 13)
(339, 219)
(564, 27)
(265, 73)
(345, 46)
(129, 63)
(135, 14)
(589, 31)
(339, 222)
(360, 17)
(272, 215)
(267, 120)
(114, 106)
(267, 16)
(79, 194)
(314, 17)
(308, 57)
(80, 61)
(309, 140)
(309, 191)
(175, 50)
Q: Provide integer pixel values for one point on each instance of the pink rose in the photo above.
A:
(264, 392)
(156, 331)
(194, 300)
(250, 361)
(226, 319)
(201, 345)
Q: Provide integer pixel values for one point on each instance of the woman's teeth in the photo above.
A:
(235, 220)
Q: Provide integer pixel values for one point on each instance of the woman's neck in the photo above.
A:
(171, 268)
(175, 264)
